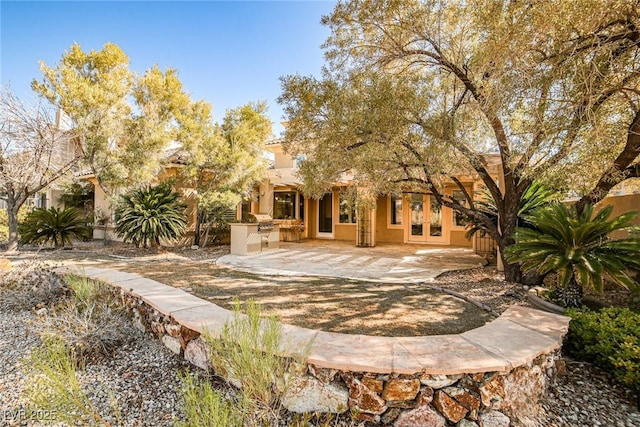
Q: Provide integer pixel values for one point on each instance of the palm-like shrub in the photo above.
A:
(578, 247)
(147, 215)
(535, 196)
(54, 225)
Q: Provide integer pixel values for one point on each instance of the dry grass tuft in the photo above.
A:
(91, 321)
(31, 284)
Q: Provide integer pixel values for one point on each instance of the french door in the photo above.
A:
(425, 220)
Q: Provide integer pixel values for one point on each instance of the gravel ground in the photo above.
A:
(143, 376)
(587, 396)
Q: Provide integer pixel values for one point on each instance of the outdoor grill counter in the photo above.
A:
(254, 237)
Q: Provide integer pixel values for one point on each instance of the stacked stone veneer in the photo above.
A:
(490, 376)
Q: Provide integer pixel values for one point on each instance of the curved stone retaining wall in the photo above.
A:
(490, 376)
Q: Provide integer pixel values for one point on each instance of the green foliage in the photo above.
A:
(537, 195)
(247, 353)
(610, 339)
(213, 210)
(78, 194)
(126, 120)
(225, 160)
(578, 247)
(4, 220)
(53, 384)
(416, 92)
(54, 225)
(204, 406)
(146, 216)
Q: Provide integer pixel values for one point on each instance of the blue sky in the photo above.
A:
(228, 53)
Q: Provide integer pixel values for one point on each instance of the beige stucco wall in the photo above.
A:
(344, 232)
(281, 160)
(458, 239)
(384, 233)
(622, 204)
(265, 205)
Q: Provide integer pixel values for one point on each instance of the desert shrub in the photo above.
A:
(609, 339)
(91, 321)
(53, 385)
(146, 216)
(88, 323)
(54, 225)
(205, 406)
(31, 283)
(246, 355)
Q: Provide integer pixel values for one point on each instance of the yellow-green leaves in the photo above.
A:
(125, 121)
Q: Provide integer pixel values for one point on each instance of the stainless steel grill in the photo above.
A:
(265, 222)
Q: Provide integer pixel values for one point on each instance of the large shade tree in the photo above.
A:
(222, 160)
(416, 92)
(34, 153)
(124, 121)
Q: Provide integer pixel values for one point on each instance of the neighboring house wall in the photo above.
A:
(622, 204)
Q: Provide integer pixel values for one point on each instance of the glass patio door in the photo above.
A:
(325, 216)
(425, 219)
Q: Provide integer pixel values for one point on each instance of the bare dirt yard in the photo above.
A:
(329, 304)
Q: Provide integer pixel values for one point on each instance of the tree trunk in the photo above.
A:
(196, 235)
(12, 215)
(512, 272)
(508, 221)
(206, 235)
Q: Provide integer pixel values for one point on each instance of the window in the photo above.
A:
(395, 214)
(459, 220)
(298, 160)
(347, 210)
(284, 205)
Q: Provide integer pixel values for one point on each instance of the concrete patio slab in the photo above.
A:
(385, 263)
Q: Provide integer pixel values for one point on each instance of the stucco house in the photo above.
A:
(401, 218)
(411, 218)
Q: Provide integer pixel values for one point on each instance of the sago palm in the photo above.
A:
(148, 215)
(577, 246)
(535, 196)
(54, 225)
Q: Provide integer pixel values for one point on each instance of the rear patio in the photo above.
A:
(389, 263)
